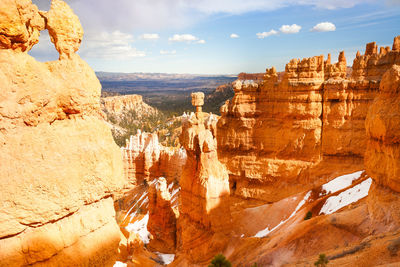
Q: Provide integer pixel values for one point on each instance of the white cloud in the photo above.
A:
(149, 36)
(234, 35)
(167, 52)
(289, 29)
(185, 38)
(262, 35)
(106, 45)
(324, 27)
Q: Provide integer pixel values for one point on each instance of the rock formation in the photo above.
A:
(278, 138)
(204, 219)
(382, 157)
(59, 165)
(162, 218)
(250, 76)
(64, 28)
(117, 104)
(372, 66)
(20, 25)
(146, 159)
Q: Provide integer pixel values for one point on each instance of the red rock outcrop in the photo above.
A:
(278, 138)
(162, 218)
(204, 215)
(145, 159)
(59, 164)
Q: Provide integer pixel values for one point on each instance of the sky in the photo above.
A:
(222, 36)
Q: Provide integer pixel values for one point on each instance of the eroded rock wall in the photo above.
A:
(279, 137)
(59, 164)
(145, 159)
(162, 218)
(117, 104)
(382, 156)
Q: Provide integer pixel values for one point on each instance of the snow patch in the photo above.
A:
(347, 197)
(341, 182)
(119, 264)
(140, 227)
(266, 231)
(138, 204)
(165, 258)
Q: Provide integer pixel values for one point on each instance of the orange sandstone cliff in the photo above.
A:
(278, 138)
(145, 159)
(117, 104)
(59, 164)
(382, 157)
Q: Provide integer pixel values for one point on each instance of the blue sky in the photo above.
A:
(186, 36)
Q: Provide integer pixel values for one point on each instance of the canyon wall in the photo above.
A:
(145, 159)
(118, 104)
(382, 156)
(280, 137)
(162, 218)
(60, 167)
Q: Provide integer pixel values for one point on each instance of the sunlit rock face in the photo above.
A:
(146, 159)
(59, 164)
(382, 156)
(162, 218)
(204, 216)
(279, 136)
(116, 105)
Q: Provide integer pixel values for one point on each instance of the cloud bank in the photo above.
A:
(115, 45)
(234, 35)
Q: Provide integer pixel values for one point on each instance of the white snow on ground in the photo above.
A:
(119, 264)
(144, 198)
(166, 258)
(341, 182)
(266, 231)
(140, 227)
(347, 197)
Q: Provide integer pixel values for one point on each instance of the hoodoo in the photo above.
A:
(204, 219)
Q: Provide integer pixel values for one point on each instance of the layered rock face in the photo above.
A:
(145, 159)
(162, 218)
(383, 129)
(382, 157)
(117, 104)
(270, 132)
(277, 137)
(204, 220)
(59, 165)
